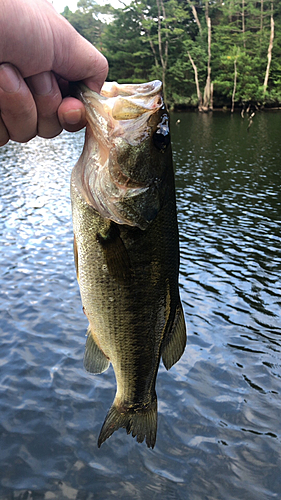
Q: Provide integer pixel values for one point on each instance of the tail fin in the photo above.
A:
(142, 423)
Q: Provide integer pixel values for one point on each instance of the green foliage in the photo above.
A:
(86, 20)
(128, 53)
(145, 41)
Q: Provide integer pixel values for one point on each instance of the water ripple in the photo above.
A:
(219, 408)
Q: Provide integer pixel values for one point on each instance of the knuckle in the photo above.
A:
(47, 107)
(48, 132)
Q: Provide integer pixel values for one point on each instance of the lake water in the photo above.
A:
(219, 422)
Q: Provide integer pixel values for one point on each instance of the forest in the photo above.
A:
(212, 54)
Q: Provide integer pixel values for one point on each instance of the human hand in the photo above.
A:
(40, 52)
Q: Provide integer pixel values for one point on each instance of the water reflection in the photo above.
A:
(219, 407)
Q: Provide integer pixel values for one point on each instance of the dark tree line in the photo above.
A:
(216, 53)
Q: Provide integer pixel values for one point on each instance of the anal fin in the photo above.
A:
(175, 340)
(95, 360)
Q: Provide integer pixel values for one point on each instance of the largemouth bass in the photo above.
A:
(126, 248)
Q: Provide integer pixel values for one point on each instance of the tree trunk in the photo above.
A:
(261, 18)
(153, 51)
(243, 23)
(269, 53)
(234, 84)
(199, 95)
(162, 53)
(207, 91)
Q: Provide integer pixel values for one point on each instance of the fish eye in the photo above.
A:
(161, 141)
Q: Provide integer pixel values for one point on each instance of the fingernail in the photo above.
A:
(9, 79)
(42, 84)
(73, 116)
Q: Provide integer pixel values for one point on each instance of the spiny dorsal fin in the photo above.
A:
(175, 340)
(95, 360)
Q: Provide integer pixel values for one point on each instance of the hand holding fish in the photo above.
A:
(40, 52)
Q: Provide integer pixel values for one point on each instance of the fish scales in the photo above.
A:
(127, 260)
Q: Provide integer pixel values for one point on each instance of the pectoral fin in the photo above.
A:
(116, 255)
(95, 360)
(175, 340)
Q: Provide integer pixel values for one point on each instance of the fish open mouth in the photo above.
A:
(128, 102)
(115, 164)
(122, 109)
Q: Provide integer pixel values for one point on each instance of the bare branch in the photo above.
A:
(234, 84)
(194, 12)
(199, 95)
